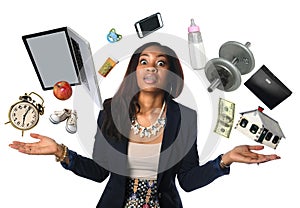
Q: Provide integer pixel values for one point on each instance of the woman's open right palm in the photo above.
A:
(45, 146)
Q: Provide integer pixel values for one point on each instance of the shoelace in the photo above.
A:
(72, 119)
(58, 113)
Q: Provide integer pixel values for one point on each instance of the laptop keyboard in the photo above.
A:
(79, 62)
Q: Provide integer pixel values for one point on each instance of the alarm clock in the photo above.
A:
(24, 114)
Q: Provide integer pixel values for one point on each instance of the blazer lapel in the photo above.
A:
(118, 158)
(170, 133)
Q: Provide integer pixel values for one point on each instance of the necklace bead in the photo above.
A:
(150, 130)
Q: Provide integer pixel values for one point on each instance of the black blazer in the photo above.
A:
(179, 157)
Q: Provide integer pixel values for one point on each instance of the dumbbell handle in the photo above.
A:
(216, 82)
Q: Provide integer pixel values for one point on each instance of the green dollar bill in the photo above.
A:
(225, 118)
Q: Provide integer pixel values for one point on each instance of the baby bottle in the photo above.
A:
(196, 47)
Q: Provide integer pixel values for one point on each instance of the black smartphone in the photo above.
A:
(148, 25)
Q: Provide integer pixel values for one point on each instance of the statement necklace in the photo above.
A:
(150, 130)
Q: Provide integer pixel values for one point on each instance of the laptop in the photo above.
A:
(62, 54)
(267, 87)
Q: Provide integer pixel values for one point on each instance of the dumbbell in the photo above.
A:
(225, 72)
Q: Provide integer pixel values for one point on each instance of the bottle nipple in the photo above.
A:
(193, 27)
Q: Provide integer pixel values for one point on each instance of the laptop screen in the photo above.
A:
(52, 58)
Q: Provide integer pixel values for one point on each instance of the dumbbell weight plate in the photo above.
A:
(220, 68)
(232, 49)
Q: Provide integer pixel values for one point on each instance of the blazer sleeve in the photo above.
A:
(87, 167)
(191, 175)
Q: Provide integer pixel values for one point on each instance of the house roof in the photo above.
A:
(268, 122)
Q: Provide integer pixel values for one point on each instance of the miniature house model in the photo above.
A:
(260, 127)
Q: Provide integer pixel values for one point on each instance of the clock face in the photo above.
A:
(24, 115)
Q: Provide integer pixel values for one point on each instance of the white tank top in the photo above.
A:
(143, 160)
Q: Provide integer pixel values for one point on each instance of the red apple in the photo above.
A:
(62, 90)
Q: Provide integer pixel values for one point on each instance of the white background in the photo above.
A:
(271, 27)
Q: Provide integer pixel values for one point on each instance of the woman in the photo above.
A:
(143, 148)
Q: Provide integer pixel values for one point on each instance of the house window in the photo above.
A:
(275, 139)
(269, 136)
(254, 128)
(262, 135)
(243, 122)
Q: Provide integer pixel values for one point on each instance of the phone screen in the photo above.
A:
(148, 25)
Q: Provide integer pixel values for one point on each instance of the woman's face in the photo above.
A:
(152, 70)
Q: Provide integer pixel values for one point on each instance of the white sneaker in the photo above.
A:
(59, 116)
(71, 124)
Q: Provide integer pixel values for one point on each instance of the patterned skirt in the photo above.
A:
(142, 194)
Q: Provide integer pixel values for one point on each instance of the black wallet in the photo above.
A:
(267, 87)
